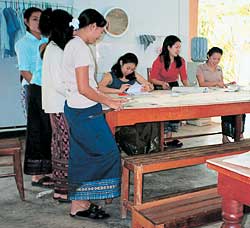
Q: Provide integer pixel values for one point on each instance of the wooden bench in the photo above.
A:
(12, 148)
(189, 210)
(142, 164)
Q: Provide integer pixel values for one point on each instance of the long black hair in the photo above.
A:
(27, 14)
(213, 50)
(169, 42)
(117, 67)
(91, 16)
(55, 25)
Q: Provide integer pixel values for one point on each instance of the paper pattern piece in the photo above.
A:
(136, 88)
(190, 89)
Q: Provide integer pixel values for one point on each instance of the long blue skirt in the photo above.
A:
(94, 159)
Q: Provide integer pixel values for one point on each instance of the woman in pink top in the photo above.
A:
(169, 65)
(165, 73)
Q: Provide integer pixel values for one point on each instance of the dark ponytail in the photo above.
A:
(91, 16)
(45, 23)
(55, 25)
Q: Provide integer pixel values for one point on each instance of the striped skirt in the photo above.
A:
(59, 152)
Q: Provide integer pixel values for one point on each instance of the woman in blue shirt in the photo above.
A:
(37, 151)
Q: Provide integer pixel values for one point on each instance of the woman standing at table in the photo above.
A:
(94, 160)
(210, 74)
(165, 73)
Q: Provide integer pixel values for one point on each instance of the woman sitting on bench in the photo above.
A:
(140, 138)
(165, 73)
(210, 74)
(123, 75)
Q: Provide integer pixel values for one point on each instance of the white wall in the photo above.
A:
(11, 112)
(160, 18)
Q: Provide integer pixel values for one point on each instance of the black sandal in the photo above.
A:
(41, 182)
(174, 143)
(93, 212)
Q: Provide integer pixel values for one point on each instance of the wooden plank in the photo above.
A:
(162, 214)
(177, 204)
(9, 145)
(176, 198)
(194, 151)
(185, 157)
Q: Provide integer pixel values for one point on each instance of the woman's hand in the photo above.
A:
(147, 87)
(165, 85)
(221, 84)
(124, 87)
(116, 104)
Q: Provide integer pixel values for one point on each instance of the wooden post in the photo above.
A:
(193, 22)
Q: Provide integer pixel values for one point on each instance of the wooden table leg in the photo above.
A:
(232, 213)
(238, 123)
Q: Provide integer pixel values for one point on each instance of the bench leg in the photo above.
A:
(18, 173)
(138, 186)
(137, 220)
(124, 192)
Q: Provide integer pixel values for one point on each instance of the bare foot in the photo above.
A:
(225, 139)
(79, 205)
(60, 196)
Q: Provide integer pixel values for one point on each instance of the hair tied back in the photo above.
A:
(74, 23)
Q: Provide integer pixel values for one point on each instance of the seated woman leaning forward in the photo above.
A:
(210, 74)
(123, 75)
(118, 80)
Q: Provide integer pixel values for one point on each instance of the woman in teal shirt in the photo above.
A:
(37, 151)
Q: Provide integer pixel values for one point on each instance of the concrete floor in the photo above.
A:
(44, 212)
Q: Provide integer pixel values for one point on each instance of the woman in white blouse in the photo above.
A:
(94, 161)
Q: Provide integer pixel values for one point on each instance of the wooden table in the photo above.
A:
(162, 105)
(234, 187)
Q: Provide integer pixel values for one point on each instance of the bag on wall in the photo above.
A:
(142, 138)
(199, 49)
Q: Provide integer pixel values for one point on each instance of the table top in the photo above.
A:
(220, 165)
(166, 98)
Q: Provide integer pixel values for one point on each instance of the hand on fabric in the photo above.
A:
(116, 104)
(221, 84)
(124, 87)
(147, 87)
(165, 85)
